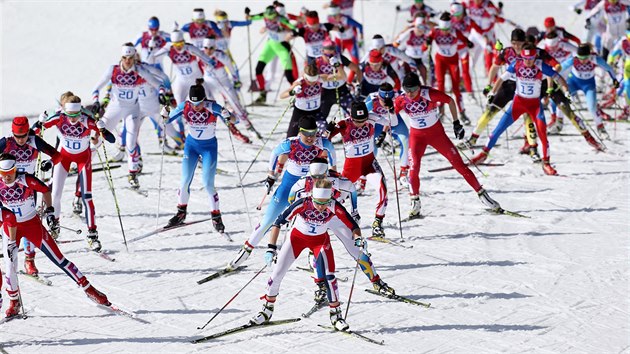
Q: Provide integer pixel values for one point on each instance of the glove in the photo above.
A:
(587, 25)
(237, 85)
(295, 91)
(152, 43)
(498, 45)
(330, 126)
(397, 7)
(380, 139)
(226, 115)
(105, 101)
(107, 135)
(162, 98)
(470, 44)
(335, 62)
(389, 104)
(269, 182)
(164, 112)
(53, 223)
(490, 98)
(458, 129)
(247, 11)
(96, 106)
(272, 250)
(500, 5)
(487, 90)
(43, 117)
(578, 11)
(355, 215)
(11, 249)
(568, 96)
(360, 242)
(46, 165)
(616, 83)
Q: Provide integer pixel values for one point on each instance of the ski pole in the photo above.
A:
(238, 170)
(395, 23)
(354, 278)
(249, 59)
(233, 297)
(470, 162)
(391, 138)
(261, 202)
(108, 176)
(76, 231)
(157, 212)
(269, 137)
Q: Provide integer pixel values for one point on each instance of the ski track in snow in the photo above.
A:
(557, 282)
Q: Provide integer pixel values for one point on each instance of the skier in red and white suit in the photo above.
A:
(26, 147)
(419, 105)
(75, 128)
(447, 40)
(462, 22)
(313, 216)
(357, 133)
(485, 14)
(7, 222)
(17, 192)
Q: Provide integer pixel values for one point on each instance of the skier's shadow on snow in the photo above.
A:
(451, 264)
(486, 327)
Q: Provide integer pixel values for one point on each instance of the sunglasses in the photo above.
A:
(128, 57)
(412, 89)
(179, 44)
(7, 173)
(318, 202)
(308, 133)
(318, 176)
(20, 136)
(72, 115)
(583, 57)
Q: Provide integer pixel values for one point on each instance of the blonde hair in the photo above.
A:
(65, 96)
(311, 70)
(74, 99)
(323, 183)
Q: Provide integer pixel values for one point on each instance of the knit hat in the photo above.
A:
(550, 22)
(359, 111)
(20, 126)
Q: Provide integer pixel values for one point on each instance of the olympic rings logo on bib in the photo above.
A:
(527, 72)
(126, 79)
(22, 155)
(362, 132)
(200, 32)
(179, 58)
(306, 155)
(11, 194)
(584, 66)
(72, 130)
(313, 90)
(197, 117)
(417, 106)
(316, 215)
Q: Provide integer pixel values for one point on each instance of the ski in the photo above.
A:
(38, 278)
(174, 153)
(310, 270)
(117, 310)
(222, 272)
(386, 240)
(252, 183)
(142, 192)
(157, 231)
(399, 298)
(226, 236)
(353, 334)
(502, 211)
(468, 164)
(244, 328)
(102, 254)
(315, 308)
(96, 169)
(7, 319)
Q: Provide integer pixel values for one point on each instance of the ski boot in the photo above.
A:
(487, 201)
(337, 319)
(548, 169)
(464, 118)
(320, 293)
(414, 213)
(14, 309)
(55, 229)
(625, 114)
(166, 148)
(382, 287)
(555, 126)
(118, 156)
(93, 293)
(480, 158)
(140, 165)
(265, 315)
(533, 154)
(262, 99)
(77, 205)
(93, 242)
(468, 144)
(178, 218)
(359, 185)
(242, 256)
(217, 222)
(602, 132)
(29, 266)
(592, 142)
(525, 148)
(377, 227)
(238, 135)
(133, 180)
(604, 115)
(402, 176)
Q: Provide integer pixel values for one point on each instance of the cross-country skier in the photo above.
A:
(26, 146)
(201, 116)
(17, 192)
(357, 133)
(200, 28)
(298, 152)
(151, 40)
(308, 99)
(313, 215)
(419, 104)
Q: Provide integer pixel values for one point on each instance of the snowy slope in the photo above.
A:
(557, 282)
